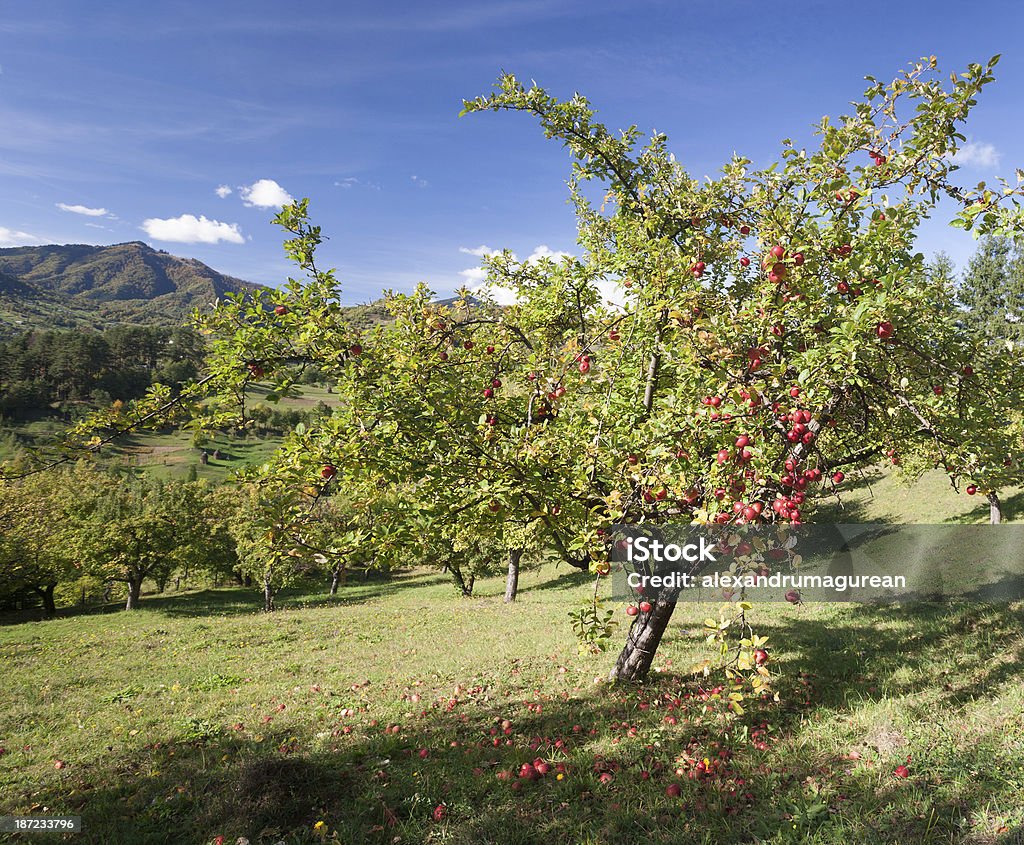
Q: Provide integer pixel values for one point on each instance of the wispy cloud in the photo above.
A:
(419, 182)
(354, 182)
(83, 209)
(976, 154)
(189, 229)
(479, 251)
(12, 237)
(265, 193)
(223, 191)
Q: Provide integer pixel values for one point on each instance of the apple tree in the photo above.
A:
(769, 331)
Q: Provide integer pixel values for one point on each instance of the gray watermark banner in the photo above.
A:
(847, 562)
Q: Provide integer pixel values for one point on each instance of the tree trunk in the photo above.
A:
(247, 581)
(134, 591)
(268, 597)
(335, 579)
(512, 582)
(46, 594)
(82, 601)
(642, 643)
(995, 508)
(460, 581)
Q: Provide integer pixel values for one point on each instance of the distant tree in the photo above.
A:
(992, 291)
(35, 552)
(138, 528)
(263, 528)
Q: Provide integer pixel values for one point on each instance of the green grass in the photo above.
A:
(197, 716)
(882, 495)
(170, 454)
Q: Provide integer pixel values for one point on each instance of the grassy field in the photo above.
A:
(353, 719)
(171, 454)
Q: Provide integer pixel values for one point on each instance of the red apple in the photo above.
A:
(778, 252)
(355, 349)
(673, 790)
(838, 477)
(793, 597)
(744, 261)
(632, 610)
(281, 310)
(645, 607)
(328, 471)
(971, 489)
(760, 656)
(884, 330)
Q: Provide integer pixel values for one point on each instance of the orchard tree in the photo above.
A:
(36, 543)
(775, 330)
(132, 528)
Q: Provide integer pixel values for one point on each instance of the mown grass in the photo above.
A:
(197, 716)
(172, 454)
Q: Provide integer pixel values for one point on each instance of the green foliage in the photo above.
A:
(784, 306)
(593, 625)
(992, 291)
(43, 371)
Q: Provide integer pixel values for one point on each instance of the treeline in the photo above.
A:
(82, 535)
(43, 373)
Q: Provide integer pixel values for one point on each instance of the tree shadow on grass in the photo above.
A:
(569, 581)
(238, 601)
(243, 600)
(765, 783)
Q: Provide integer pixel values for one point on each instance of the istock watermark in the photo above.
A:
(844, 562)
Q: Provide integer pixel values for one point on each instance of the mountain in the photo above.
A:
(81, 286)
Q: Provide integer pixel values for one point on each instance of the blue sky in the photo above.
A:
(119, 121)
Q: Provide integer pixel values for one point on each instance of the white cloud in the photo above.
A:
(475, 277)
(612, 292)
(82, 209)
(223, 191)
(265, 193)
(353, 182)
(189, 229)
(544, 251)
(418, 182)
(479, 251)
(10, 237)
(976, 154)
